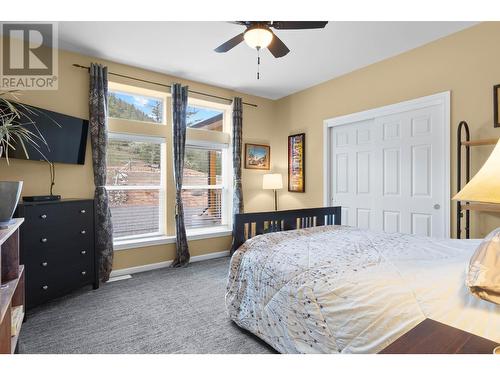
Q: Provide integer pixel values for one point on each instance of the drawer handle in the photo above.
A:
(43, 240)
(82, 211)
(44, 264)
(83, 231)
(84, 273)
(83, 252)
(43, 216)
(45, 287)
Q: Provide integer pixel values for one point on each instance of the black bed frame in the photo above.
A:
(252, 224)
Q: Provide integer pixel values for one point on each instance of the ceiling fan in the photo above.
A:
(258, 35)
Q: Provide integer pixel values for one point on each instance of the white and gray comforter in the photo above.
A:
(337, 289)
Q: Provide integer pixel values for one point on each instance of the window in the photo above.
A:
(198, 117)
(203, 188)
(135, 107)
(135, 175)
(139, 158)
(136, 162)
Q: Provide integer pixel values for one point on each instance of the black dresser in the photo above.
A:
(57, 248)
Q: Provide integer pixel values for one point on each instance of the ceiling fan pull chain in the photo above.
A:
(258, 63)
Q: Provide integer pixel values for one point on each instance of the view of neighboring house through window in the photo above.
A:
(204, 187)
(204, 118)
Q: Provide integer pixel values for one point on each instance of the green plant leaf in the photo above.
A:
(13, 132)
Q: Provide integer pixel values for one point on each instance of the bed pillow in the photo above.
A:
(483, 276)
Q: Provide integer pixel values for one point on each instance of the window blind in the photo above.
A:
(203, 187)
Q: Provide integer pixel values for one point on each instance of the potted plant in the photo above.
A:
(14, 117)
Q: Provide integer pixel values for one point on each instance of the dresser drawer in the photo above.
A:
(69, 256)
(53, 239)
(53, 216)
(47, 282)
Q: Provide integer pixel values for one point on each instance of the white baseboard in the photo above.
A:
(155, 266)
(119, 278)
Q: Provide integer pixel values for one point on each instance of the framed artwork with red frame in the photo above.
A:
(297, 163)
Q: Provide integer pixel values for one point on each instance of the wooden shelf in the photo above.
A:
(11, 285)
(491, 207)
(481, 142)
(7, 232)
(7, 293)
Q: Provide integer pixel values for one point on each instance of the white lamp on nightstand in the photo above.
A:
(273, 181)
(485, 185)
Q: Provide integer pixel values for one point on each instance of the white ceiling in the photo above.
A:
(185, 49)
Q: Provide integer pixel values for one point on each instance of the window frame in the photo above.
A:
(162, 193)
(218, 140)
(194, 137)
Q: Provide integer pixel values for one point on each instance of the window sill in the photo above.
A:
(203, 233)
(142, 242)
(192, 235)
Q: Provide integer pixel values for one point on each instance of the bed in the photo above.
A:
(305, 285)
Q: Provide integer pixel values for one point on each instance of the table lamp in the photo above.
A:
(273, 181)
(484, 187)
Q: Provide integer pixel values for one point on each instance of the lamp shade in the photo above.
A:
(485, 185)
(272, 181)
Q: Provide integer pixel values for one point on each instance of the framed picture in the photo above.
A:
(296, 163)
(257, 156)
(496, 106)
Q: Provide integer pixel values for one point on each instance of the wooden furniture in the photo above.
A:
(251, 224)
(57, 248)
(464, 208)
(431, 337)
(11, 287)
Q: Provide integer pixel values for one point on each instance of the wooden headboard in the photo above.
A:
(251, 224)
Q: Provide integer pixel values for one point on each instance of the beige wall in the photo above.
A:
(74, 181)
(466, 63)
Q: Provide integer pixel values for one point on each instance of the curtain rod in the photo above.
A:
(164, 85)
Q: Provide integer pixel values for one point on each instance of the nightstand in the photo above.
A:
(431, 337)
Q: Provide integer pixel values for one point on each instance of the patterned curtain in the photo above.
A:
(237, 140)
(98, 119)
(179, 105)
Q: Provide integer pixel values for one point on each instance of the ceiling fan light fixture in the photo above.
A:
(258, 37)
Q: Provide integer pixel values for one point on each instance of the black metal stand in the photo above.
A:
(463, 127)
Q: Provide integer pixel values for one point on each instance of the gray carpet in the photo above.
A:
(161, 311)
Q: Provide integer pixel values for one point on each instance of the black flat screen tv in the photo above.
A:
(66, 137)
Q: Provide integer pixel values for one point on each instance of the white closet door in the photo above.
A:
(354, 172)
(387, 172)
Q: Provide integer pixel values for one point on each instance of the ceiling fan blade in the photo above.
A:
(277, 47)
(242, 23)
(296, 25)
(231, 43)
